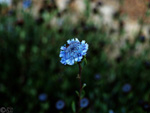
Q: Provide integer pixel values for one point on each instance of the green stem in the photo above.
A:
(80, 82)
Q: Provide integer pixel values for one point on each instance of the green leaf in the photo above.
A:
(82, 94)
(73, 107)
(84, 62)
(77, 93)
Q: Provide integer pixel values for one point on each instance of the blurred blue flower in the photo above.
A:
(126, 88)
(123, 110)
(11, 12)
(111, 111)
(146, 107)
(60, 104)
(142, 38)
(26, 4)
(73, 52)
(147, 64)
(42, 97)
(97, 76)
(7, 2)
(84, 102)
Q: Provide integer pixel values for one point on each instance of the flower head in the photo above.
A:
(26, 4)
(146, 107)
(97, 76)
(73, 52)
(84, 102)
(7, 2)
(60, 104)
(126, 88)
(42, 97)
(111, 111)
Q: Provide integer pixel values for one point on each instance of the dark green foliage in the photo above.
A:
(30, 65)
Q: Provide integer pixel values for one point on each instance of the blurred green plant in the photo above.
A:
(29, 67)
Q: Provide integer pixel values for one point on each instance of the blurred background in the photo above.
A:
(32, 79)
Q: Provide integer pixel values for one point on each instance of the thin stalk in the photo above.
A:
(80, 82)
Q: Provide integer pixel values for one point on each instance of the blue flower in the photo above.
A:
(111, 111)
(146, 107)
(42, 97)
(97, 76)
(142, 38)
(60, 104)
(147, 64)
(123, 110)
(7, 2)
(73, 52)
(26, 4)
(84, 102)
(126, 88)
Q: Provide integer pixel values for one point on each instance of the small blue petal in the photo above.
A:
(86, 46)
(83, 42)
(77, 40)
(72, 40)
(62, 54)
(63, 48)
(68, 41)
(63, 61)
